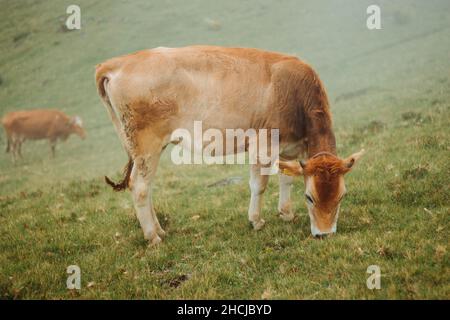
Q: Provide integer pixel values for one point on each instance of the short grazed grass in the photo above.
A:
(388, 95)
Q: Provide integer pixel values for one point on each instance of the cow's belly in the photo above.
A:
(33, 133)
(214, 142)
(228, 134)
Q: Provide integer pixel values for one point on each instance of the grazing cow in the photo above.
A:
(151, 93)
(39, 124)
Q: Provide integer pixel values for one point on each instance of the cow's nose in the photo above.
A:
(321, 235)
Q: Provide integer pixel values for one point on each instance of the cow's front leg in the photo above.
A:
(284, 201)
(19, 148)
(142, 174)
(258, 184)
(53, 147)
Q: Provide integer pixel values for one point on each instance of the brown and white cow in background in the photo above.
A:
(151, 93)
(38, 124)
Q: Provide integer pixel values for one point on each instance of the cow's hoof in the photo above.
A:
(153, 238)
(258, 225)
(288, 217)
(155, 241)
(161, 233)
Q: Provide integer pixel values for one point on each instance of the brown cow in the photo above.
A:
(152, 93)
(39, 124)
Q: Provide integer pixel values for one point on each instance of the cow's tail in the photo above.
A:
(8, 139)
(125, 182)
(102, 79)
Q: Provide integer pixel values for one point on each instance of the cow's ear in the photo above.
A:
(76, 120)
(290, 168)
(350, 161)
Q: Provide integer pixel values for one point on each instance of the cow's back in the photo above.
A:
(164, 89)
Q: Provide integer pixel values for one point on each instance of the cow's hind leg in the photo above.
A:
(15, 145)
(144, 169)
(258, 184)
(284, 202)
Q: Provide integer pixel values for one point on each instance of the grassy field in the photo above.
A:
(389, 91)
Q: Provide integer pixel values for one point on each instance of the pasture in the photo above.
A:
(389, 93)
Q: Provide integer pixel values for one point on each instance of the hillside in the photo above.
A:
(389, 92)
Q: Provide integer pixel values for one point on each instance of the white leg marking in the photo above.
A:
(284, 201)
(258, 185)
(142, 176)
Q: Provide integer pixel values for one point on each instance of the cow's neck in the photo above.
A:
(320, 135)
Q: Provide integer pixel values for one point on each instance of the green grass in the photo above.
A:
(389, 91)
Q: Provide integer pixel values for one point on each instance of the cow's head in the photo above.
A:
(76, 126)
(324, 187)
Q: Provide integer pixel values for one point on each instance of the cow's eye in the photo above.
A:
(309, 199)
